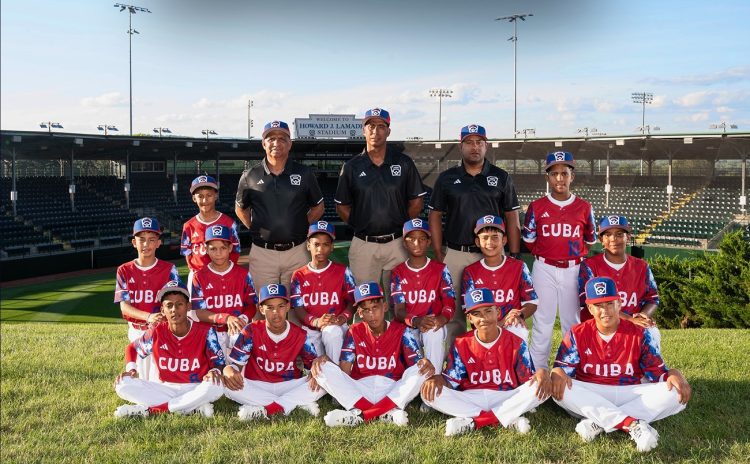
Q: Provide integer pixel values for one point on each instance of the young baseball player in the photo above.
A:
(322, 293)
(599, 369)
(138, 282)
(558, 230)
(381, 368)
(272, 382)
(187, 355)
(205, 193)
(223, 293)
(489, 379)
(422, 293)
(506, 277)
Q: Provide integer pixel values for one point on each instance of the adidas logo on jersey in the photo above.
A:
(363, 344)
(209, 286)
(306, 284)
(260, 182)
(471, 360)
(362, 174)
(479, 282)
(403, 281)
(132, 280)
(457, 181)
(545, 215)
(588, 351)
(196, 235)
(164, 347)
(262, 348)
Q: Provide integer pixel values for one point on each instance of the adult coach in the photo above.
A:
(465, 193)
(277, 200)
(378, 191)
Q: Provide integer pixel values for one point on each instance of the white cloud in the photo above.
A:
(692, 99)
(724, 109)
(105, 100)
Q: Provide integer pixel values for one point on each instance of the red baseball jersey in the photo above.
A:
(424, 291)
(270, 361)
(139, 285)
(193, 242)
(324, 291)
(179, 359)
(559, 230)
(634, 279)
(510, 282)
(504, 365)
(387, 355)
(231, 292)
(625, 359)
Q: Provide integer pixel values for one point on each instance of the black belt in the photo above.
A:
(464, 248)
(379, 238)
(277, 246)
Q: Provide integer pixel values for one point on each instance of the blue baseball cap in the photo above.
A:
(416, 224)
(377, 113)
(367, 291)
(173, 286)
(601, 289)
(218, 232)
(614, 222)
(489, 221)
(473, 129)
(272, 291)
(321, 227)
(559, 157)
(203, 181)
(146, 224)
(276, 126)
(478, 298)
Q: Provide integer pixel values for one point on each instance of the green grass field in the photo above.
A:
(62, 346)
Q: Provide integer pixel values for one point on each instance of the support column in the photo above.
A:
(669, 184)
(126, 188)
(606, 184)
(174, 177)
(13, 191)
(743, 195)
(72, 186)
(591, 167)
(218, 182)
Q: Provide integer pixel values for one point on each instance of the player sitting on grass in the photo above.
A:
(422, 293)
(187, 356)
(322, 293)
(223, 292)
(598, 372)
(489, 378)
(508, 278)
(381, 366)
(272, 383)
(138, 283)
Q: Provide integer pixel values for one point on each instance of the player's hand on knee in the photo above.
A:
(543, 383)
(426, 369)
(213, 376)
(131, 373)
(676, 380)
(233, 378)
(432, 387)
(312, 383)
(560, 381)
(317, 365)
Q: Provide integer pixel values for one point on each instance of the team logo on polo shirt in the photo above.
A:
(559, 156)
(295, 179)
(364, 289)
(476, 295)
(492, 181)
(273, 289)
(146, 222)
(600, 288)
(614, 220)
(395, 170)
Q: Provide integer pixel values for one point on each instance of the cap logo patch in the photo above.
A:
(600, 288)
(273, 289)
(216, 231)
(492, 181)
(614, 220)
(396, 170)
(488, 219)
(476, 296)
(275, 124)
(473, 129)
(364, 289)
(416, 222)
(376, 112)
(146, 222)
(202, 179)
(295, 179)
(172, 283)
(559, 156)
(322, 225)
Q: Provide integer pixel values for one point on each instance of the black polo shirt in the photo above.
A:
(379, 195)
(279, 203)
(466, 198)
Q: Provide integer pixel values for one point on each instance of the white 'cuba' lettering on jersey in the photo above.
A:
(179, 364)
(273, 366)
(495, 376)
(502, 297)
(141, 296)
(376, 362)
(560, 230)
(608, 370)
(628, 302)
(223, 301)
(199, 249)
(320, 298)
(420, 296)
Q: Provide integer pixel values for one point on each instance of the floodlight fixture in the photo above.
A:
(514, 19)
(440, 94)
(107, 128)
(162, 130)
(643, 98)
(49, 125)
(526, 132)
(723, 126)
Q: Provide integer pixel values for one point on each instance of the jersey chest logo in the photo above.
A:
(396, 170)
(492, 181)
(295, 179)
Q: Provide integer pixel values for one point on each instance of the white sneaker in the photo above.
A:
(248, 412)
(205, 410)
(127, 410)
(588, 430)
(458, 425)
(342, 417)
(311, 408)
(522, 425)
(645, 437)
(396, 416)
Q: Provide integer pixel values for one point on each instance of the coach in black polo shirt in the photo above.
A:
(277, 200)
(465, 193)
(378, 191)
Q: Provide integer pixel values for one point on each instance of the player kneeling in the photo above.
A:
(381, 368)
(598, 372)
(188, 358)
(269, 349)
(489, 378)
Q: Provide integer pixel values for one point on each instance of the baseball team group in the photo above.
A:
(451, 329)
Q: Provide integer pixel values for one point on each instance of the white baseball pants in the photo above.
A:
(433, 345)
(288, 394)
(329, 340)
(145, 367)
(180, 397)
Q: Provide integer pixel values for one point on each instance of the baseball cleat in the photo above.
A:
(127, 410)
(311, 408)
(342, 417)
(522, 425)
(397, 417)
(205, 410)
(645, 437)
(587, 429)
(248, 412)
(458, 425)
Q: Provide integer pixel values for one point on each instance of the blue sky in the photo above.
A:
(196, 64)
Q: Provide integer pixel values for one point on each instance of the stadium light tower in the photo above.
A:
(642, 98)
(586, 131)
(440, 93)
(249, 119)
(132, 9)
(162, 130)
(723, 126)
(107, 128)
(208, 132)
(49, 125)
(514, 19)
(647, 129)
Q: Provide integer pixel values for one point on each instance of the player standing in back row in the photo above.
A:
(558, 230)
